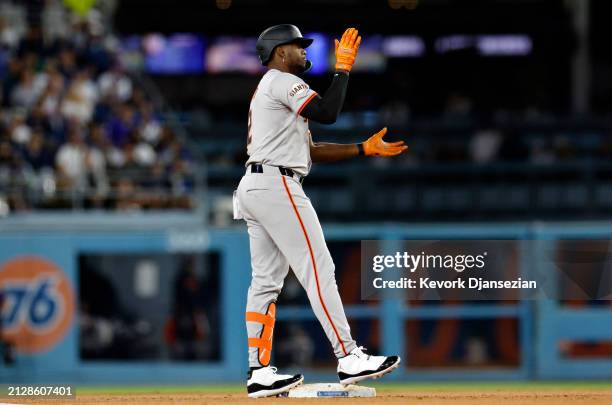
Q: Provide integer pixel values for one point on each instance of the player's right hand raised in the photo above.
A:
(346, 49)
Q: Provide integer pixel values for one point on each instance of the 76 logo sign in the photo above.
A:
(35, 304)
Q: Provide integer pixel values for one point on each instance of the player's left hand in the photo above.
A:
(375, 146)
(346, 49)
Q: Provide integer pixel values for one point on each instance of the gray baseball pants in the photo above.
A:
(284, 231)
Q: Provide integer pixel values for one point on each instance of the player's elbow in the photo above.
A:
(328, 116)
(322, 118)
(328, 119)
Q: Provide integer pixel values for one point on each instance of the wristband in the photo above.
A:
(360, 148)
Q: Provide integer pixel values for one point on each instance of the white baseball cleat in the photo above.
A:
(264, 382)
(358, 366)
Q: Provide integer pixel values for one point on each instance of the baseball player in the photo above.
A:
(283, 227)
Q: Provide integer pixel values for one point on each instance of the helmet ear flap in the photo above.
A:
(307, 67)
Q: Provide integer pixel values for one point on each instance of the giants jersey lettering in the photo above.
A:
(278, 135)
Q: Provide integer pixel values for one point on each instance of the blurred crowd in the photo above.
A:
(531, 135)
(75, 129)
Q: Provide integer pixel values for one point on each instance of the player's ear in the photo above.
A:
(280, 51)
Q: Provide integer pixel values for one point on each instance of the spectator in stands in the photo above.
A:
(54, 21)
(81, 97)
(51, 97)
(181, 177)
(18, 129)
(15, 17)
(6, 158)
(122, 124)
(173, 149)
(38, 154)
(71, 162)
(144, 154)
(98, 139)
(156, 183)
(26, 92)
(67, 62)
(150, 128)
(32, 43)
(179, 160)
(485, 145)
(127, 196)
(115, 85)
(11, 78)
(98, 178)
(9, 36)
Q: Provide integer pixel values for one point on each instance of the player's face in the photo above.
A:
(295, 57)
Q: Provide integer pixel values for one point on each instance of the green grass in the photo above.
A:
(386, 387)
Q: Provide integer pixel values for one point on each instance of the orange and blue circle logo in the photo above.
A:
(38, 303)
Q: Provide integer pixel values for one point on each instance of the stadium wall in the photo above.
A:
(39, 256)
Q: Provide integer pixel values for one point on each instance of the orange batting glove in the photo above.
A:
(346, 49)
(375, 146)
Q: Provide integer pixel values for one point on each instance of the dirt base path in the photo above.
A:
(502, 397)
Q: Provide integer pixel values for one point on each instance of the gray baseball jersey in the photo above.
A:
(278, 135)
(283, 227)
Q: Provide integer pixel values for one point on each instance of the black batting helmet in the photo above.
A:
(280, 35)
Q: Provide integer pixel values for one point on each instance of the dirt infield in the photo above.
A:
(501, 397)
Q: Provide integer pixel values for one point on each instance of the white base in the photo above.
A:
(330, 390)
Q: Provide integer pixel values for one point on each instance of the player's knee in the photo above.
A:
(325, 263)
(260, 286)
(327, 274)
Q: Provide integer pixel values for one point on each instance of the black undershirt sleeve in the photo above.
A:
(325, 110)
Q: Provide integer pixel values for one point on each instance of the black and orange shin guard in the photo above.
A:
(264, 342)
